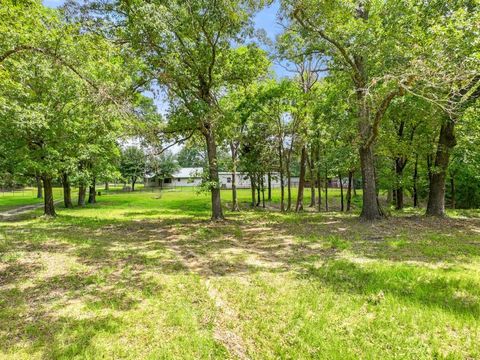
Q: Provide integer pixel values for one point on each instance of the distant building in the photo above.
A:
(190, 177)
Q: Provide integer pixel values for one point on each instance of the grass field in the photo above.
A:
(146, 276)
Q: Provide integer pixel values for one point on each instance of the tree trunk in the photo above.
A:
(233, 150)
(39, 187)
(134, 180)
(269, 179)
(107, 187)
(217, 213)
(49, 206)
(371, 209)
(67, 193)
(326, 192)
(311, 170)
(289, 189)
(82, 190)
(342, 207)
(349, 190)
(436, 194)
(263, 191)
(258, 191)
(253, 188)
(400, 163)
(319, 181)
(301, 184)
(282, 180)
(415, 183)
(92, 196)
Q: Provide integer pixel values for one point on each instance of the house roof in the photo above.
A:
(188, 173)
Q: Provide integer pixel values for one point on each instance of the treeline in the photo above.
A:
(386, 92)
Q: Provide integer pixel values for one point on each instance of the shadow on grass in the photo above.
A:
(411, 284)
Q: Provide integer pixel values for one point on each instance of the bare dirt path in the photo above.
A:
(22, 209)
(232, 341)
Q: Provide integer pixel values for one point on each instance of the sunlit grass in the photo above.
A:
(127, 278)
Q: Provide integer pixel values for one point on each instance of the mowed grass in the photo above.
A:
(146, 276)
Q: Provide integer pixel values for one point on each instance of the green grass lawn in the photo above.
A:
(145, 275)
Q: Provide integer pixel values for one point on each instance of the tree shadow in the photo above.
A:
(411, 284)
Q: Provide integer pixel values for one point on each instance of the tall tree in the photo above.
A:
(133, 164)
(358, 38)
(186, 48)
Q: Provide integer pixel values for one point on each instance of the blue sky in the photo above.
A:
(265, 19)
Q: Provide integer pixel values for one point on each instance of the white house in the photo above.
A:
(182, 177)
(189, 177)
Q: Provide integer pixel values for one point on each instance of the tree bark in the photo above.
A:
(92, 195)
(319, 181)
(326, 192)
(311, 170)
(107, 187)
(49, 206)
(217, 212)
(289, 189)
(233, 150)
(269, 179)
(370, 209)
(253, 189)
(258, 190)
(134, 180)
(415, 182)
(82, 190)
(282, 180)
(67, 193)
(263, 192)
(436, 194)
(301, 184)
(342, 207)
(349, 190)
(39, 187)
(400, 163)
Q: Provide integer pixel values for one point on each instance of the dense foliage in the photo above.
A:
(381, 93)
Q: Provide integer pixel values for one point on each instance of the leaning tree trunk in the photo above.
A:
(217, 213)
(349, 190)
(233, 149)
(49, 206)
(436, 194)
(39, 187)
(67, 193)
(301, 183)
(92, 198)
(82, 190)
(371, 209)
